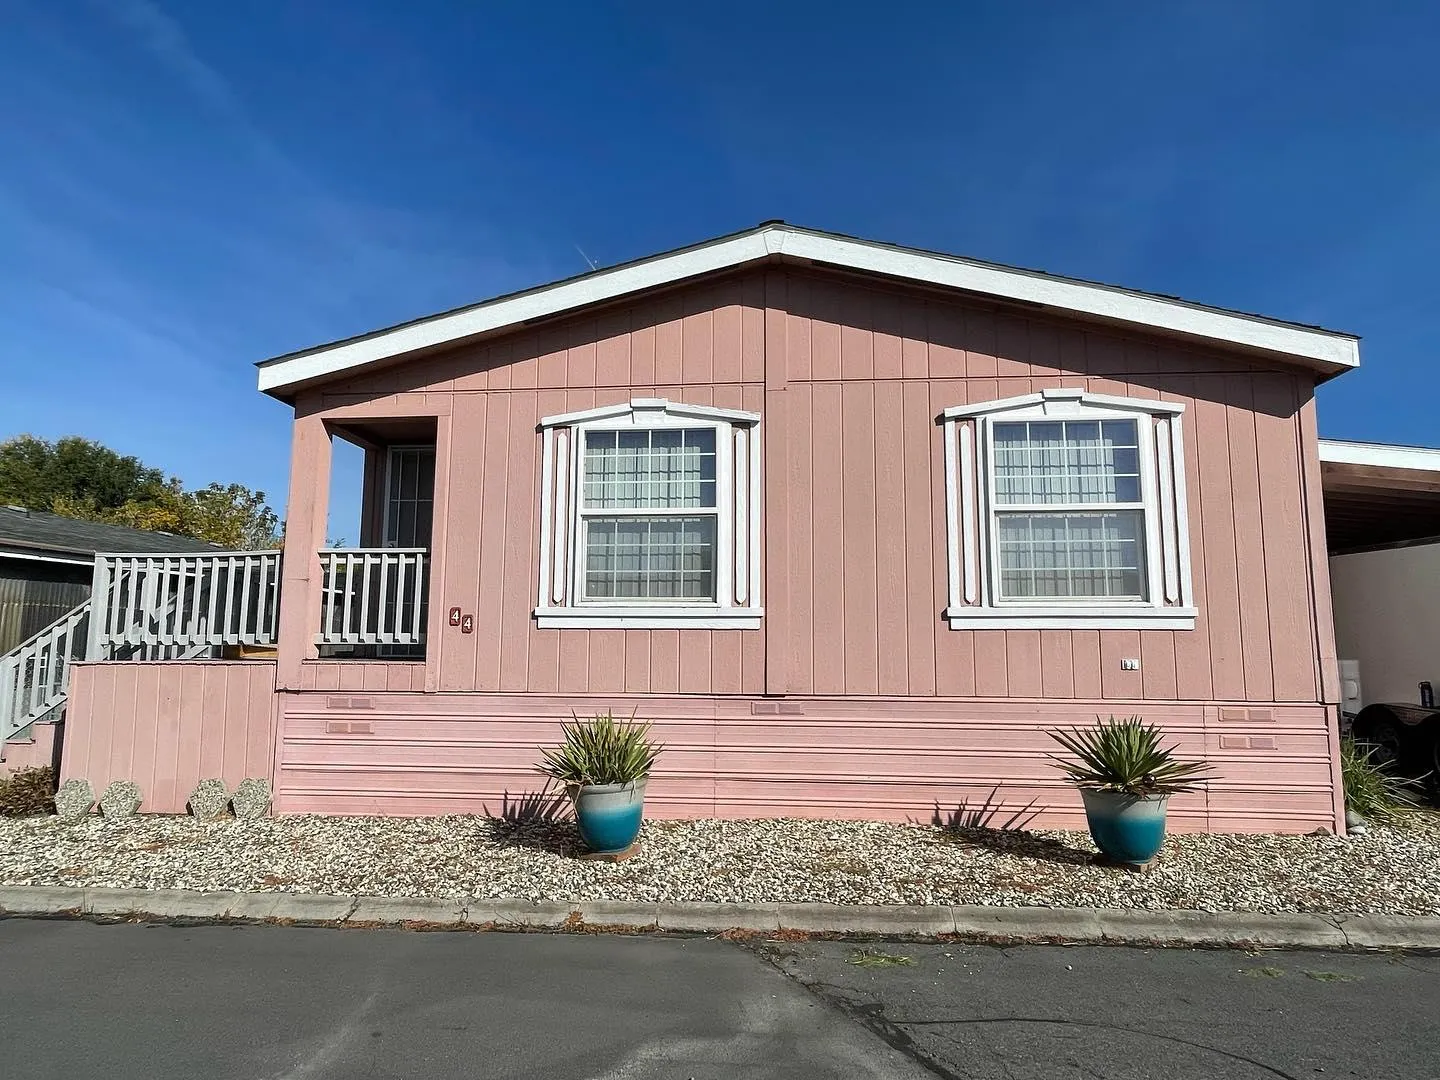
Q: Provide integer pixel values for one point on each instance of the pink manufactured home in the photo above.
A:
(854, 524)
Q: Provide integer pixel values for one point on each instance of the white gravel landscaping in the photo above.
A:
(1393, 870)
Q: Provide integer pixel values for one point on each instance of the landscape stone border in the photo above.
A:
(121, 799)
(74, 799)
(210, 801)
(252, 798)
(993, 924)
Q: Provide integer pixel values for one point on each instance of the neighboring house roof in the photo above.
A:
(1382, 455)
(36, 534)
(1328, 352)
(1379, 494)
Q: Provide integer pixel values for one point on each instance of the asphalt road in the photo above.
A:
(1123, 1014)
(80, 1000)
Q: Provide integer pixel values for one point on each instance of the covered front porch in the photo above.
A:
(327, 605)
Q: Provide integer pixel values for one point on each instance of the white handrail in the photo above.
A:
(35, 676)
(183, 601)
(373, 596)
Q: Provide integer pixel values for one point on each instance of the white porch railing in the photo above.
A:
(185, 606)
(163, 606)
(373, 596)
(35, 676)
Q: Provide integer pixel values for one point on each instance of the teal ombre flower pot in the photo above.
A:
(609, 815)
(1127, 828)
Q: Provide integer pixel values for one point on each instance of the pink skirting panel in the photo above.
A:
(36, 749)
(893, 759)
(168, 724)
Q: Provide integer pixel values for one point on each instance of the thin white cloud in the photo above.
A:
(165, 39)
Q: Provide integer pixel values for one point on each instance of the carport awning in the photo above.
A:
(1377, 494)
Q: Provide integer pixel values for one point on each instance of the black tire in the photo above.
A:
(1377, 730)
(1430, 756)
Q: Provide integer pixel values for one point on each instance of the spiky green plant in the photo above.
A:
(1370, 790)
(601, 750)
(1126, 756)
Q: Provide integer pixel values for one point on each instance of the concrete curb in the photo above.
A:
(1079, 925)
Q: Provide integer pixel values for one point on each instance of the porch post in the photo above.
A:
(305, 517)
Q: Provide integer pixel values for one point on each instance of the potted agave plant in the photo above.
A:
(1126, 777)
(604, 763)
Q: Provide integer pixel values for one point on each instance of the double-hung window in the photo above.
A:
(650, 517)
(1069, 519)
(1066, 509)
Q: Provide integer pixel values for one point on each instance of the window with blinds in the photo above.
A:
(650, 514)
(650, 517)
(1070, 519)
(1066, 509)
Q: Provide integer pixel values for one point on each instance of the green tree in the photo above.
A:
(35, 472)
(83, 479)
(234, 516)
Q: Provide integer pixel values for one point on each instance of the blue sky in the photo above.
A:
(189, 187)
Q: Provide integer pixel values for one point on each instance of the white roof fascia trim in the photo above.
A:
(642, 405)
(1325, 347)
(1419, 458)
(43, 556)
(1153, 407)
(502, 313)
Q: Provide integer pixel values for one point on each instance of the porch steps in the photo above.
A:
(35, 676)
(37, 746)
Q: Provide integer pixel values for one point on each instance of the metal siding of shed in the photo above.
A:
(28, 604)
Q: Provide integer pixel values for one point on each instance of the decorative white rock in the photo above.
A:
(210, 800)
(121, 799)
(251, 798)
(74, 800)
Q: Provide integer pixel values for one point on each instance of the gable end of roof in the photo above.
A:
(1327, 352)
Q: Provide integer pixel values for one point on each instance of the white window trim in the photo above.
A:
(560, 582)
(971, 519)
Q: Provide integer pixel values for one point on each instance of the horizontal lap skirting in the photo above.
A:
(894, 759)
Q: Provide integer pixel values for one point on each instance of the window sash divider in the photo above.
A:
(649, 511)
(1066, 508)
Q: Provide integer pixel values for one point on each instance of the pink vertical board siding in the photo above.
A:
(1329, 671)
(828, 556)
(520, 516)
(857, 528)
(169, 724)
(1289, 600)
(852, 485)
(849, 377)
(304, 537)
(892, 600)
(1245, 492)
(796, 511)
(456, 583)
(1057, 666)
(393, 675)
(889, 758)
(1194, 663)
(919, 582)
